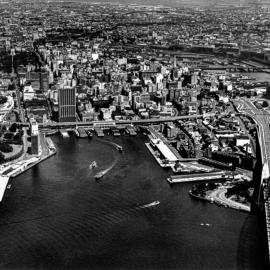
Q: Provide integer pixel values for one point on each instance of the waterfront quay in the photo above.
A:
(195, 177)
(16, 167)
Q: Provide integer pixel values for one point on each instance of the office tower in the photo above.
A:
(67, 104)
(34, 137)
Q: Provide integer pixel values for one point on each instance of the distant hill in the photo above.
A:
(179, 3)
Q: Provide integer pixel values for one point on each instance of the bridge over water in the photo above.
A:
(262, 189)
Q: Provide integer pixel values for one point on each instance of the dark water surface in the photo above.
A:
(58, 217)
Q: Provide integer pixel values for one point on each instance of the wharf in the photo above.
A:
(26, 168)
(14, 169)
(159, 161)
(81, 132)
(99, 132)
(199, 177)
(115, 132)
(192, 166)
(131, 131)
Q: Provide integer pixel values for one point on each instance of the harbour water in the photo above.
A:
(56, 216)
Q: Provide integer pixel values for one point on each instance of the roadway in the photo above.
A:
(219, 196)
(119, 122)
(125, 122)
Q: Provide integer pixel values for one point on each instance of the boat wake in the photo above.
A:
(101, 173)
(117, 146)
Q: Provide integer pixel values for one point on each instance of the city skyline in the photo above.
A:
(134, 135)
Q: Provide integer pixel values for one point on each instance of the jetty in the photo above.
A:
(194, 177)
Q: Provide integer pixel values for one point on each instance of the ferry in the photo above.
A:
(151, 204)
(119, 148)
(93, 165)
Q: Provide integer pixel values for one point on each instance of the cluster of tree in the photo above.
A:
(13, 127)
(3, 99)
(13, 136)
(241, 189)
(5, 148)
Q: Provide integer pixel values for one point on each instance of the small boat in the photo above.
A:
(119, 148)
(93, 165)
(205, 224)
(8, 186)
(151, 204)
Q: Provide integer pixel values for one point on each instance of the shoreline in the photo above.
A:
(26, 164)
(33, 164)
(220, 201)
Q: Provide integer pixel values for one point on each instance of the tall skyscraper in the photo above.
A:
(35, 143)
(67, 105)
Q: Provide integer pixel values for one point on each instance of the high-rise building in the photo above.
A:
(35, 144)
(67, 104)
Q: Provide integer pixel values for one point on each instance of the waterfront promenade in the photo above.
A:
(25, 162)
(218, 196)
(195, 177)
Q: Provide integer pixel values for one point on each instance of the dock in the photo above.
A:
(115, 131)
(32, 164)
(81, 132)
(50, 144)
(193, 166)
(195, 177)
(159, 161)
(131, 131)
(99, 132)
(15, 168)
